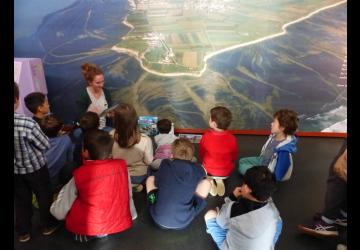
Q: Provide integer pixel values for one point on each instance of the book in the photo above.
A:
(107, 110)
(147, 125)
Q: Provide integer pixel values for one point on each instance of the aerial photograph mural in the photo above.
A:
(177, 59)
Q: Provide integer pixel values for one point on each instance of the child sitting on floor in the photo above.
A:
(218, 149)
(59, 156)
(248, 219)
(163, 142)
(278, 149)
(97, 201)
(177, 191)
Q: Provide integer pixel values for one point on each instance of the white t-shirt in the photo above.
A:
(100, 103)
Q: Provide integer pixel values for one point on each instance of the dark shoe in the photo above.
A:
(24, 238)
(320, 228)
(50, 230)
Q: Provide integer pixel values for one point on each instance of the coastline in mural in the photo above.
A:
(298, 69)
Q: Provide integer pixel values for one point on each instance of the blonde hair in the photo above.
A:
(89, 71)
(183, 149)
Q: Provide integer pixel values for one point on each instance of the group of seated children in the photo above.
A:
(97, 200)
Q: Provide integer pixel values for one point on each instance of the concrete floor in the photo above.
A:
(297, 200)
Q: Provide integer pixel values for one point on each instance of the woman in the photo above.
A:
(131, 145)
(95, 97)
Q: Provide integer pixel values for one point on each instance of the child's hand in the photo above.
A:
(237, 192)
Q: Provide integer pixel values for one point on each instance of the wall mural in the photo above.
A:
(179, 58)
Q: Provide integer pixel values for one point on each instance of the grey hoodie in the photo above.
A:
(254, 230)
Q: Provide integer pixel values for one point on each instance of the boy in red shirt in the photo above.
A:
(218, 149)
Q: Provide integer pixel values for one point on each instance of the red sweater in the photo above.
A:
(218, 152)
(102, 205)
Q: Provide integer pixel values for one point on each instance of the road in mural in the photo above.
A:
(178, 58)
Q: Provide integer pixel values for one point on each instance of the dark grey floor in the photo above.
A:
(297, 200)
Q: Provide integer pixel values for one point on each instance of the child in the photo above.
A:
(97, 200)
(177, 191)
(131, 145)
(278, 149)
(60, 154)
(30, 174)
(90, 120)
(218, 149)
(38, 104)
(248, 219)
(163, 141)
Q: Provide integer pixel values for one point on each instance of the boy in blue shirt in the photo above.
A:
(278, 149)
(177, 191)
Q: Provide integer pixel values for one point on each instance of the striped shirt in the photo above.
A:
(30, 144)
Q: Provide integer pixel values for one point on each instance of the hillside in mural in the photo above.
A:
(179, 58)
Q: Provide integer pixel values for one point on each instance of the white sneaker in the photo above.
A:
(220, 187)
(213, 189)
(341, 247)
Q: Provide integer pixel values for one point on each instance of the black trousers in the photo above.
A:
(335, 197)
(24, 184)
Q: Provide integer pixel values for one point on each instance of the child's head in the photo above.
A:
(260, 183)
(51, 125)
(285, 121)
(164, 126)
(16, 96)
(37, 103)
(90, 120)
(126, 125)
(97, 144)
(183, 149)
(221, 116)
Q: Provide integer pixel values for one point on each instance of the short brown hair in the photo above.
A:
(183, 149)
(34, 100)
(164, 126)
(222, 116)
(51, 125)
(99, 144)
(90, 120)
(89, 71)
(288, 119)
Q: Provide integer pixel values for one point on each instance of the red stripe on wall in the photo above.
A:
(262, 132)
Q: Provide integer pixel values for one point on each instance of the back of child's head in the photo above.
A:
(164, 126)
(98, 143)
(34, 100)
(288, 119)
(90, 120)
(16, 92)
(51, 125)
(221, 116)
(261, 182)
(183, 149)
(126, 125)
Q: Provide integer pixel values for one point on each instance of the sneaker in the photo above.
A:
(50, 230)
(213, 189)
(137, 188)
(220, 187)
(341, 221)
(24, 238)
(341, 247)
(319, 228)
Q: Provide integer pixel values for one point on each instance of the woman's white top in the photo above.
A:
(100, 103)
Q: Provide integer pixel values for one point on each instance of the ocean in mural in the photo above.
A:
(298, 69)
